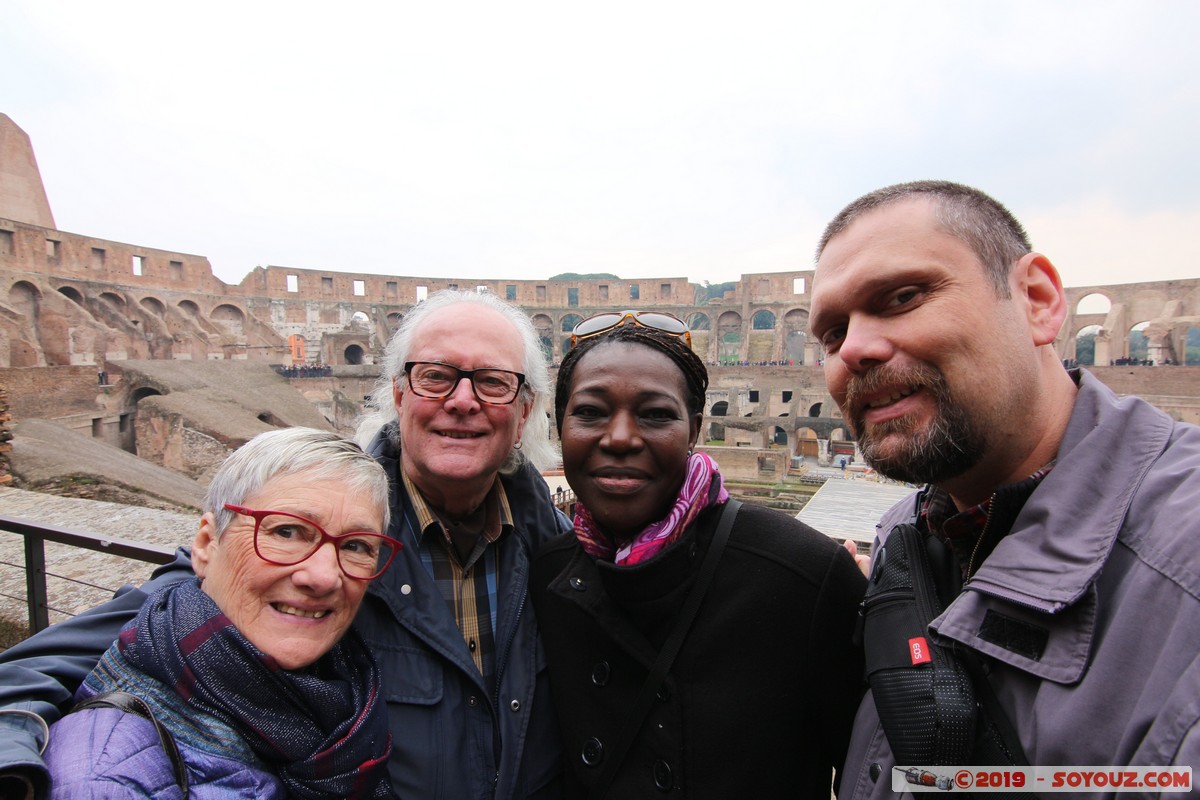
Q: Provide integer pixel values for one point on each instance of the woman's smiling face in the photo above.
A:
(294, 614)
(626, 434)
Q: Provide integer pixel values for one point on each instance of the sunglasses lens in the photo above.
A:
(596, 324)
(663, 322)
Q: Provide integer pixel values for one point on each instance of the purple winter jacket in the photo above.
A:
(1104, 561)
(106, 754)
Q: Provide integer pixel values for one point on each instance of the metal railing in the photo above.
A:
(564, 501)
(37, 534)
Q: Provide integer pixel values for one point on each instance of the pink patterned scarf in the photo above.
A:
(702, 487)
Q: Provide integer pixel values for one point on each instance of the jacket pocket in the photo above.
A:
(408, 674)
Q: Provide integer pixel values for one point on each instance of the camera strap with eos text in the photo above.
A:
(934, 701)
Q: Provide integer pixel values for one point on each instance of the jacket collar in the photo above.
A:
(1039, 581)
(1064, 534)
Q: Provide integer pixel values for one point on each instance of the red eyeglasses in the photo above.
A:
(285, 539)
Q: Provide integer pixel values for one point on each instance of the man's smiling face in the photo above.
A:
(924, 359)
(456, 445)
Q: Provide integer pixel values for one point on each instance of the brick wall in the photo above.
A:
(54, 392)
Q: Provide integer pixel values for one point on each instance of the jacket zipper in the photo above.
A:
(501, 663)
(987, 523)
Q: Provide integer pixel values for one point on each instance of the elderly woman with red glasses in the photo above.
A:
(247, 681)
(696, 646)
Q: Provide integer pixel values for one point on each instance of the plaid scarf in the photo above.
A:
(702, 487)
(322, 730)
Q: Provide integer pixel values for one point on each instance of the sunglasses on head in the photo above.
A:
(606, 321)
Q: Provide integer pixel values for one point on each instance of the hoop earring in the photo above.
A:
(517, 446)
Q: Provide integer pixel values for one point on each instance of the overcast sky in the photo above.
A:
(646, 139)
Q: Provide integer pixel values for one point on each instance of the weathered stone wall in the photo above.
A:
(5, 438)
(72, 395)
(746, 463)
(24, 195)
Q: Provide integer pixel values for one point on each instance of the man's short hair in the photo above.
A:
(967, 214)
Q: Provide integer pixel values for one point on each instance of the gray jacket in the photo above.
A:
(1101, 572)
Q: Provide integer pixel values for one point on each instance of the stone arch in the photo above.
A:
(568, 323)
(1094, 303)
(1138, 348)
(189, 308)
(699, 321)
(763, 320)
(719, 408)
(136, 396)
(230, 318)
(142, 392)
(815, 409)
(359, 319)
(154, 306)
(729, 331)
(806, 443)
(353, 354)
(393, 320)
(795, 335)
(1191, 346)
(1085, 344)
(113, 299)
(272, 420)
(716, 432)
(72, 294)
(544, 326)
(26, 298)
(779, 435)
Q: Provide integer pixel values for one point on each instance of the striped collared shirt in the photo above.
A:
(470, 588)
(972, 534)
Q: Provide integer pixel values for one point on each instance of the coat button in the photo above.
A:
(593, 751)
(664, 694)
(875, 771)
(664, 780)
(601, 673)
(579, 584)
(472, 701)
(515, 705)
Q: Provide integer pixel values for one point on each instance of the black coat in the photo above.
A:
(761, 697)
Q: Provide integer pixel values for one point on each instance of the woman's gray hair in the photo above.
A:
(535, 439)
(322, 454)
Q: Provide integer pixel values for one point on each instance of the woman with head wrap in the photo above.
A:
(694, 648)
(247, 681)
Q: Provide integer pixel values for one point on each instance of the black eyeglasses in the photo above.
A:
(606, 321)
(285, 539)
(433, 379)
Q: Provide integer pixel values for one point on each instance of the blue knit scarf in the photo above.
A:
(322, 730)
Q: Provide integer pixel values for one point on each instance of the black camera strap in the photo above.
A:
(132, 704)
(934, 701)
